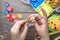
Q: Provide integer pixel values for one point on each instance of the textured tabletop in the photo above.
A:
(21, 8)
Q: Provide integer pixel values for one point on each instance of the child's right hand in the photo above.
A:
(41, 25)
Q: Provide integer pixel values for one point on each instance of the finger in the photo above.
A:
(17, 25)
(44, 13)
(37, 26)
(25, 30)
(30, 17)
(34, 16)
(44, 22)
(35, 23)
(37, 16)
(33, 20)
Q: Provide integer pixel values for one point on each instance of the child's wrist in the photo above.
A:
(45, 37)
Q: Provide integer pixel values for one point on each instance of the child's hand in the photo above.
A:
(41, 25)
(15, 31)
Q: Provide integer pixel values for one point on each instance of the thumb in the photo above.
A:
(35, 23)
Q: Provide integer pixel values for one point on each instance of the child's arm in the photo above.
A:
(15, 30)
(40, 25)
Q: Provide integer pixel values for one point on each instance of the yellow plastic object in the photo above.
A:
(19, 16)
(55, 23)
(46, 7)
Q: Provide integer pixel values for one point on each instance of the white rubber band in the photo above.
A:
(25, 1)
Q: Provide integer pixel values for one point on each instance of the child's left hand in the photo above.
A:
(15, 30)
(41, 24)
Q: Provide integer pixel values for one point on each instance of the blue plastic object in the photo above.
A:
(5, 11)
(36, 3)
(6, 4)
